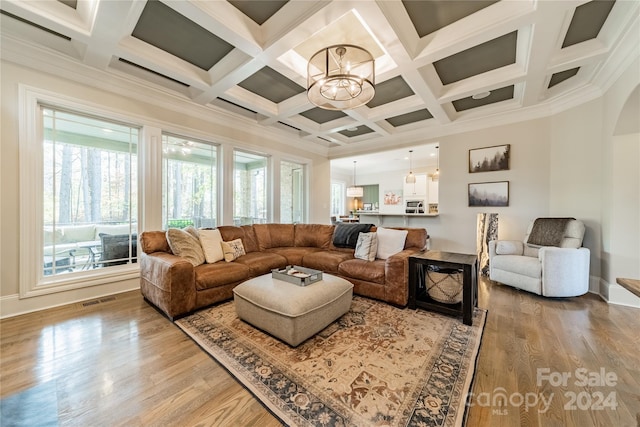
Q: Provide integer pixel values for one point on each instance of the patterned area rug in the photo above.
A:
(376, 365)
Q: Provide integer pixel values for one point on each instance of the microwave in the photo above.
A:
(414, 206)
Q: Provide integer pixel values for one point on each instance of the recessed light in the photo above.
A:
(481, 95)
(352, 129)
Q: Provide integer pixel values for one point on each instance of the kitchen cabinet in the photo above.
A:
(417, 189)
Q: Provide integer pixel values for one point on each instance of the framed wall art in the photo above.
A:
(489, 159)
(489, 193)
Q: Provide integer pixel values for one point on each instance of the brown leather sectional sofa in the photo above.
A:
(174, 286)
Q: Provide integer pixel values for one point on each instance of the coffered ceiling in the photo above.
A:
(441, 66)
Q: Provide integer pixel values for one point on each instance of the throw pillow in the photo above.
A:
(508, 247)
(232, 250)
(346, 235)
(390, 242)
(184, 244)
(210, 241)
(367, 246)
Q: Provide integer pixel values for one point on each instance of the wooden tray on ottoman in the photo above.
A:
(305, 277)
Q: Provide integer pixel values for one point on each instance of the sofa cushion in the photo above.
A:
(313, 235)
(293, 255)
(185, 243)
(274, 235)
(79, 233)
(232, 250)
(113, 229)
(52, 235)
(154, 241)
(367, 246)
(211, 240)
(390, 242)
(524, 265)
(346, 235)
(369, 271)
(221, 273)
(244, 232)
(260, 263)
(326, 261)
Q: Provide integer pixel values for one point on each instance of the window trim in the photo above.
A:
(30, 134)
(218, 168)
(268, 178)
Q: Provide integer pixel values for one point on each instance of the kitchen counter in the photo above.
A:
(381, 217)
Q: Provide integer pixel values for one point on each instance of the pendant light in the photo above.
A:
(355, 191)
(436, 175)
(411, 178)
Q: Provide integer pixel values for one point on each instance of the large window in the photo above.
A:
(291, 192)
(250, 188)
(89, 193)
(189, 182)
(338, 197)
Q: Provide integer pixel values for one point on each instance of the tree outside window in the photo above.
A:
(250, 188)
(189, 177)
(89, 191)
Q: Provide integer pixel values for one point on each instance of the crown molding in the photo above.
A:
(50, 62)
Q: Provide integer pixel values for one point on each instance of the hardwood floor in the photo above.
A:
(119, 362)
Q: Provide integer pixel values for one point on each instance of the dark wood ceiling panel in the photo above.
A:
(562, 76)
(430, 16)
(271, 85)
(405, 119)
(258, 10)
(389, 91)
(360, 130)
(321, 116)
(496, 95)
(71, 3)
(587, 21)
(479, 59)
(166, 29)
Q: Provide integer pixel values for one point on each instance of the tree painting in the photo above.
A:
(489, 194)
(489, 159)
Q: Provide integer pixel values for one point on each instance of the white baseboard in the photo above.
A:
(13, 305)
(616, 294)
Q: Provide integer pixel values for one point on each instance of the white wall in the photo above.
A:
(226, 134)
(567, 164)
(576, 172)
(620, 152)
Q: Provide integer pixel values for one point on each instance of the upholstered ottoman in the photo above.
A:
(290, 312)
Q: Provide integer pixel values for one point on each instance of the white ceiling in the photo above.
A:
(97, 37)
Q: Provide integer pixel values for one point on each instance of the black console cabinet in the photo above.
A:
(418, 296)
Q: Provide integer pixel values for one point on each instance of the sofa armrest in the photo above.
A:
(396, 277)
(168, 281)
(565, 271)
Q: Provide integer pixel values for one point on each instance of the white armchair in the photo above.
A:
(551, 271)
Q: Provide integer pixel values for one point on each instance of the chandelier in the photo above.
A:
(354, 190)
(341, 77)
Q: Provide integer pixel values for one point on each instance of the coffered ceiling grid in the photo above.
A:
(249, 58)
